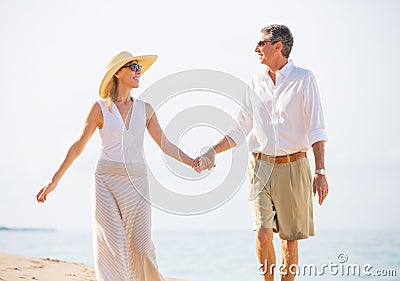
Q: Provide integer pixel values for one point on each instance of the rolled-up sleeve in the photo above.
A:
(313, 112)
(243, 122)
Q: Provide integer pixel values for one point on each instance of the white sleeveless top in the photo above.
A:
(118, 143)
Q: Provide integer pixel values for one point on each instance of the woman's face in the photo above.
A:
(127, 76)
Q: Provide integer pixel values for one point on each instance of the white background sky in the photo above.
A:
(53, 55)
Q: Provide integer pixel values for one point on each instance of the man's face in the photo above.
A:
(265, 50)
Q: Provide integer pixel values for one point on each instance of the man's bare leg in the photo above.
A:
(290, 257)
(265, 252)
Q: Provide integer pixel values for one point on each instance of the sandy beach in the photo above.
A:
(13, 268)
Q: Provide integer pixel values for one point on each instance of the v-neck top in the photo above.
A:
(120, 144)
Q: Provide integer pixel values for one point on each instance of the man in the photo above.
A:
(287, 124)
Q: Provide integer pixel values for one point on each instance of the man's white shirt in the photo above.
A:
(284, 118)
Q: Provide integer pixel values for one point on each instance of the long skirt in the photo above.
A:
(122, 245)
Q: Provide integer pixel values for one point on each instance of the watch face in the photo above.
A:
(320, 171)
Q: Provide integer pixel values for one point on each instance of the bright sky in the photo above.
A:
(53, 55)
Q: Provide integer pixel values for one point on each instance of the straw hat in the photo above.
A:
(117, 62)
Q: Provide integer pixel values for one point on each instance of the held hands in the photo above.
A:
(43, 192)
(205, 161)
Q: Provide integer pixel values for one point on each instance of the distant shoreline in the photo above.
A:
(3, 228)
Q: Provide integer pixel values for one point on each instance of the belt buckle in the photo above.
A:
(275, 160)
(281, 159)
(272, 159)
(285, 159)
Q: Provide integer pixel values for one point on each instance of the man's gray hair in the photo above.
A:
(280, 33)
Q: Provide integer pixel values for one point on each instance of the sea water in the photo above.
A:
(230, 254)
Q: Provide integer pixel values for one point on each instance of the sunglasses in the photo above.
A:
(134, 66)
(262, 43)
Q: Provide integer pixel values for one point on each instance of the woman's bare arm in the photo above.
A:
(93, 120)
(162, 141)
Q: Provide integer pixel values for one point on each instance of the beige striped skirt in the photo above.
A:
(122, 245)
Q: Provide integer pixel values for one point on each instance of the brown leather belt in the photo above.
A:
(280, 159)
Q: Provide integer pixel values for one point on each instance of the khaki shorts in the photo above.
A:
(281, 198)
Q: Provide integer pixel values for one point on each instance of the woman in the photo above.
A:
(123, 249)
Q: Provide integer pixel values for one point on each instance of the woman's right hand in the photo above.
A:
(43, 192)
(94, 120)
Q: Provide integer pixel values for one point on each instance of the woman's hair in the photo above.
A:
(111, 89)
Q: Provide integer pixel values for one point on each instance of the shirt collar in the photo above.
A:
(284, 71)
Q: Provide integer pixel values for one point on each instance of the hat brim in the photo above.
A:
(145, 61)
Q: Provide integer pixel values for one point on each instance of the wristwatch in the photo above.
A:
(320, 171)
